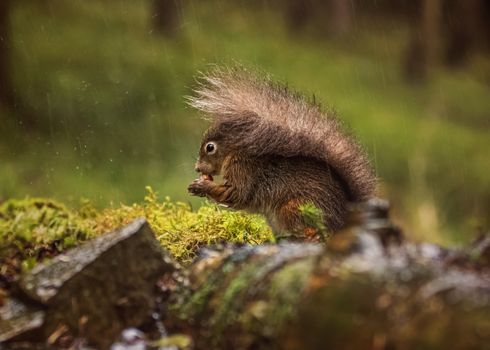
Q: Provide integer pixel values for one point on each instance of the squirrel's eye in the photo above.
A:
(211, 148)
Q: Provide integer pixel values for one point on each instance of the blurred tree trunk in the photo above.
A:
(299, 12)
(166, 16)
(340, 17)
(424, 19)
(8, 95)
(6, 88)
(485, 33)
(332, 16)
(462, 21)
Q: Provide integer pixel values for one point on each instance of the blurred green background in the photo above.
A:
(92, 94)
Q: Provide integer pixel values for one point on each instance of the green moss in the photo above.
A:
(182, 230)
(252, 291)
(233, 298)
(204, 286)
(34, 228)
(314, 218)
(177, 341)
(267, 314)
(283, 294)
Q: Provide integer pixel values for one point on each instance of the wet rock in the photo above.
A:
(100, 288)
(130, 339)
(18, 318)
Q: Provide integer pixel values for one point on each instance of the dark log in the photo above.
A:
(368, 289)
(93, 291)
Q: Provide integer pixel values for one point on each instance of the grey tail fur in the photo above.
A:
(268, 119)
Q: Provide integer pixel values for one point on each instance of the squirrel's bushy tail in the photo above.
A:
(272, 120)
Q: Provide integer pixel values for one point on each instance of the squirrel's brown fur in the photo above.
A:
(276, 151)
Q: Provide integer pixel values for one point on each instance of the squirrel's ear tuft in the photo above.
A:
(226, 91)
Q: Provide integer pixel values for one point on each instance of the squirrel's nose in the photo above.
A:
(197, 169)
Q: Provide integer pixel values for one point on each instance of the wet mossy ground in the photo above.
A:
(34, 229)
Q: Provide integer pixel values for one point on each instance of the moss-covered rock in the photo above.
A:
(182, 230)
(32, 229)
(309, 296)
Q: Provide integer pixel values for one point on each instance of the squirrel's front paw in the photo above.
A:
(197, 188)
